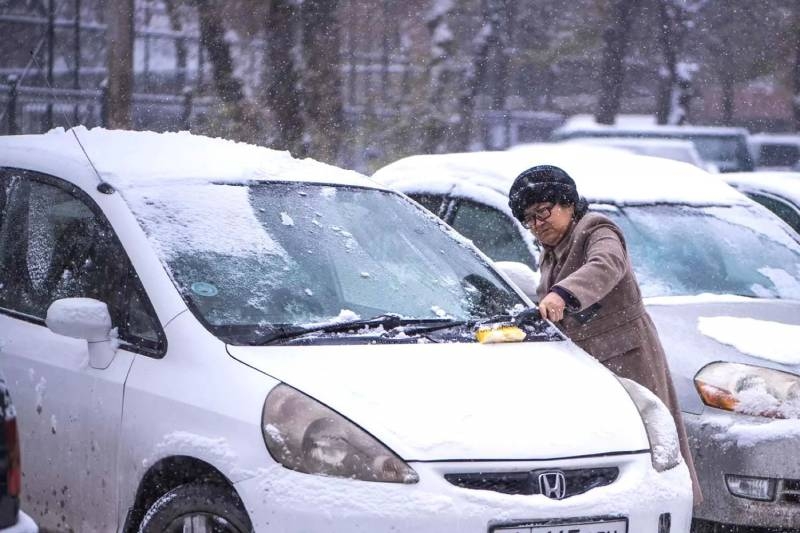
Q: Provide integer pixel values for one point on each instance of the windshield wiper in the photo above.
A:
(388, 321)
(517, 320)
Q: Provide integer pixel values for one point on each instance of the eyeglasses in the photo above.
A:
(541, 214)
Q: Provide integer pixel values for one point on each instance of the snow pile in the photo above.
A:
(773, 341)
(748, 435)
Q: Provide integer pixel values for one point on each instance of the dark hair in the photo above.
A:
(544, 183)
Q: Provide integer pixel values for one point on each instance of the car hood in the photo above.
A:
(693, 333)
(454, 401)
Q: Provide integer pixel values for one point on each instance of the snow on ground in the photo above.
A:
(773, 341)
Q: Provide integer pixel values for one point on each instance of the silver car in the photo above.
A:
(721, 278)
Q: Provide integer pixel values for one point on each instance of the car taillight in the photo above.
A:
(14, 475)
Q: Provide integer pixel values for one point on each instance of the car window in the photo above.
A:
(492, 231)
(53, 245)
(682, 250)
(778, 155)
(431, 202)
(781, 208)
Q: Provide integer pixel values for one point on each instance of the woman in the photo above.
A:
(586, 273)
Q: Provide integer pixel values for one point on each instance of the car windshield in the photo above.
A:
(682, 250)
(297, 254)
(725, 152)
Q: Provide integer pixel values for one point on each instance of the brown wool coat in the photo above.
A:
(591, 263)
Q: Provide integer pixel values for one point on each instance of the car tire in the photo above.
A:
(198, 507)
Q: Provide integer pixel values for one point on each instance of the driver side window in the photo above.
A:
(53, 245)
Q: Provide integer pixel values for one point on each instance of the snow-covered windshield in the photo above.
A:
(266, 254)
(678, 250)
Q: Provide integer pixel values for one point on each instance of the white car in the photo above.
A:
(201, 333)
(777, 191)
(721, 279)
(775, 152)
(675, 149)
(723, 147)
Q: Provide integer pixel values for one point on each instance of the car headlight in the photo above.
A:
(750, 390)
(304, 435)
(665, 449)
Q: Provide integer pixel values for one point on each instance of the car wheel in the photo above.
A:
(197, 508)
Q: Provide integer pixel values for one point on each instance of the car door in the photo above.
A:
(55, 243)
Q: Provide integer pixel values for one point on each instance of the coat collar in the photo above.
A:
(561, 248)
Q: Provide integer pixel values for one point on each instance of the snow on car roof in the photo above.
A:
(785, 184)
(128, 159)
(644, 123)
(774, 138)
(603, 176)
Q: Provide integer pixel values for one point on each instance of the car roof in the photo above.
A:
(774, 138)
(643, 124)
(785, 184)
(130, 159)
(667, 147)
(603, 176)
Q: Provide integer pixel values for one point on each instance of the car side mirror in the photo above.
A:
(87, 319)
(522, 276)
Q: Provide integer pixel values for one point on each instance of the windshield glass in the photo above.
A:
(725, 152)
(296, 254)
(681, 250)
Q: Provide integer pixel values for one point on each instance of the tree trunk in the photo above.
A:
(476, 75)
(675, 90)
(236, 120)
(500, 90)
(727, 100)
(281, 80)
(181, 53)
(120, 37)
(436, 127)
(616, 38)
(322, 79)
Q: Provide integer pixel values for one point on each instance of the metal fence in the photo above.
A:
(37, 109)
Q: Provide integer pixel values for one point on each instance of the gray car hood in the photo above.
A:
(689, 349)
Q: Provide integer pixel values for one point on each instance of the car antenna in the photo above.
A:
(104, 187)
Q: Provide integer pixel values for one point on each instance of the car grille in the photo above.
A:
(789, 491)
(576, 481)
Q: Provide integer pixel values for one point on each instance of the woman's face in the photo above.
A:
(549, 222)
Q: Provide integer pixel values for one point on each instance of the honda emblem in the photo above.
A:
(553, 484)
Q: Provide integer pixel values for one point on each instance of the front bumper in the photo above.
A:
(282, 500)
(725, 443)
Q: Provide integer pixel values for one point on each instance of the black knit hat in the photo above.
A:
(542, 183)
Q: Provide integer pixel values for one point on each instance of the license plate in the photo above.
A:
(603, 526)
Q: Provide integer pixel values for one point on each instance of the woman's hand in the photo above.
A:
(552, 307)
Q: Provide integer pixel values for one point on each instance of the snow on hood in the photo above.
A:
(773, 341)
(601, 174)
(465, 401)
(688, 349)
(132, 158)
